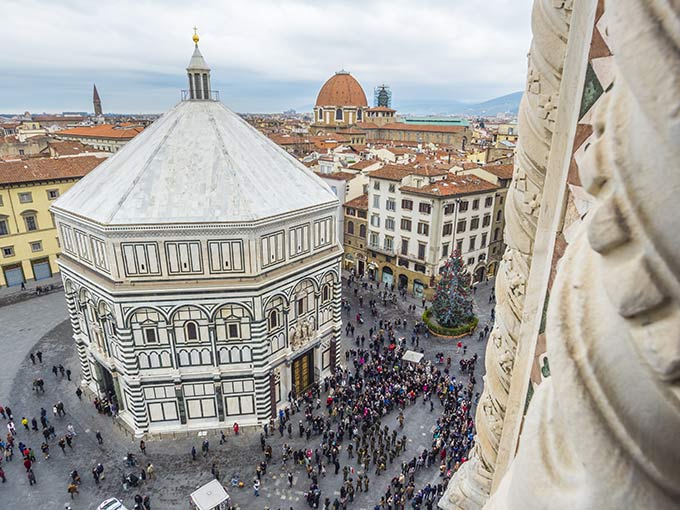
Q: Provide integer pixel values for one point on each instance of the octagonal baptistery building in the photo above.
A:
(201, 269)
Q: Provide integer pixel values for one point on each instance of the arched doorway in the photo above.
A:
(403, 281)
(479, 274)
(387, 275)
(491, 270)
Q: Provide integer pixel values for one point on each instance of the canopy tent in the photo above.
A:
(210, 497)
(413, 356)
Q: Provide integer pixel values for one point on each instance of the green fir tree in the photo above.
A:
(452, 303)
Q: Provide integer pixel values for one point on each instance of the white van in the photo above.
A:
(112, 504)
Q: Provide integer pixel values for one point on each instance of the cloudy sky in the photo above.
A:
(265, 55)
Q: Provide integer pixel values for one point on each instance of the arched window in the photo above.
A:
(496, 234)
(360, 113)
(362, 231)
(273, 311)
(326, 293)
(350, 227)
(320, 114)
(191, 331)
(273, 319)
(338, 114)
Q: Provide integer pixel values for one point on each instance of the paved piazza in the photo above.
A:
(40, 324)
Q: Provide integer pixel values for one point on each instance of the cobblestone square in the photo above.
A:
(40, 325)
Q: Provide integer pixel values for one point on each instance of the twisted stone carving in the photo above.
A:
(470, 486)
(602, 431)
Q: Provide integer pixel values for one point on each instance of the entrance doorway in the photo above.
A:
(418, 288)
(479, 274)
(403, 281)
(41, 269)
(105, 382)
(361, 267)
(387, 275)
(303, 372)
(14, 275)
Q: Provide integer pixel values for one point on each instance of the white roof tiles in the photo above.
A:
(198, 163)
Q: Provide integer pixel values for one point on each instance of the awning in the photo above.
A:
(210, 496)
(413, 356)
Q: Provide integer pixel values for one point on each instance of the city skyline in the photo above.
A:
(265, 57)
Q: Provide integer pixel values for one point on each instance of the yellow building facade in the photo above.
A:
(28, 238)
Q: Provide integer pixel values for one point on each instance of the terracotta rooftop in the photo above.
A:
(392, 172)
(360, 202)
(45, 169)
(289, 140)
(500, 171)
(103, 131)
(364, 163)
(453, 185)
(381, 109)
(69, 148)
(402, 126)
(337, 176)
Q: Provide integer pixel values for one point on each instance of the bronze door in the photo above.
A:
(303, 372)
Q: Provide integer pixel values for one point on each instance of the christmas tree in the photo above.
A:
(452, 303)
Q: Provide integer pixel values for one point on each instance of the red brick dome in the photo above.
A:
(342, 89)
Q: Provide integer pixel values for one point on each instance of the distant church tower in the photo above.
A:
(97, 102)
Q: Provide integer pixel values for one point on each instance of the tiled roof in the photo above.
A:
(381, 109)
(289, 140)
(337, 176)
(500, 171)
(453, 185)
(402, 126)
(392, 172)
(45, 169)
(364, 163)
(360, 202)
(103, 131)
(69, 148)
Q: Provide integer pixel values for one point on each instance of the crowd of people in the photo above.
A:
(56, 430)
(357, 416)
(351, 425)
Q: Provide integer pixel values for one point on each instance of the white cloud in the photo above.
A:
(467, 46)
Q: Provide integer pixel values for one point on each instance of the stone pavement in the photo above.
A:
(31, 325)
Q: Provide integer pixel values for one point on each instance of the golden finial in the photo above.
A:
(195, 37)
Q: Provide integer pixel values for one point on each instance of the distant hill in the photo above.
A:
(504, 104)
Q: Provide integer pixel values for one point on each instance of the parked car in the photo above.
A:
(112, 504)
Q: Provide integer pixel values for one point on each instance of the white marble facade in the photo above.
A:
(199, 263)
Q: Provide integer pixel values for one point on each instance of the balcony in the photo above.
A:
(214, 96)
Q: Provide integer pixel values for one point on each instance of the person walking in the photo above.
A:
(193, 453)
(290, 479)
(150, 471)
(72, 489)
(32, 358)
(2, 475)
(55, 370)
(100, 439)
(146, 502)
(31, 477)
(68, 374)
(39, 356)
(256, 487)
(142, 446)
(79, 393)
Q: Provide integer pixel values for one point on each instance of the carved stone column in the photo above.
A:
(602, 431)
(470, 486)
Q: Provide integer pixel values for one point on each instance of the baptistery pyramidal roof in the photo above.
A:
(198, 163)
